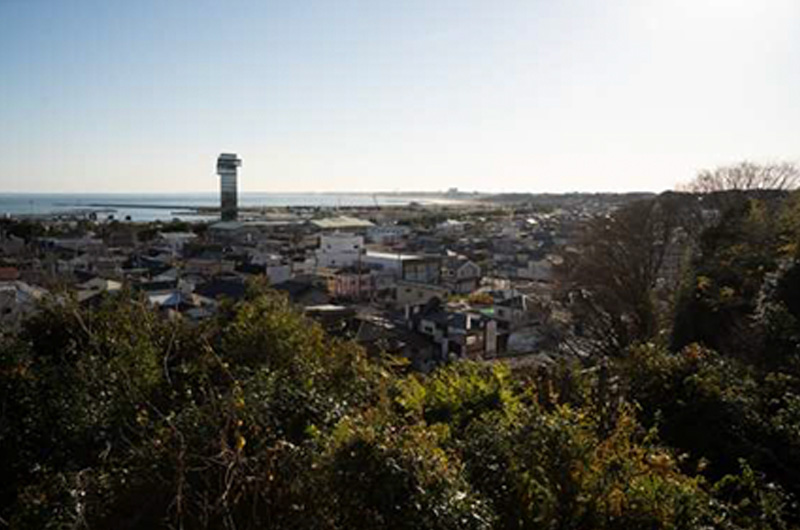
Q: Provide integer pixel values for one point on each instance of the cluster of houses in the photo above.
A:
(430, 285)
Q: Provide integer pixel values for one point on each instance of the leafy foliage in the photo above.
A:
(718, 380)
(113, 417)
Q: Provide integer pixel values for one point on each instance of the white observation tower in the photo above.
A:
(226, 169)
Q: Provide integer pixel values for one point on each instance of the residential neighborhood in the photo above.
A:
(433, 284)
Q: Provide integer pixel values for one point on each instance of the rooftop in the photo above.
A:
(226, 225)
(343, 221)
(391, 255)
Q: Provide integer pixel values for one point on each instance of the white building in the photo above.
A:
(518, 311)
(277, 269)
(387, 234)
(338, 250)
(461, 275)
(388, 262)
(173, 242)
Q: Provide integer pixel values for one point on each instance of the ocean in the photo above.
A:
(166, 206)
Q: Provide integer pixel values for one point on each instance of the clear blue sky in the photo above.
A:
(533, 95)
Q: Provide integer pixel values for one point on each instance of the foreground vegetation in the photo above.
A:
(119, 419)
(115, 417)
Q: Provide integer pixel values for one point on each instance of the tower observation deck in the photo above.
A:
(226, 169)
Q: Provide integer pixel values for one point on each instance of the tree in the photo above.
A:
(746, 176)
(623, 257)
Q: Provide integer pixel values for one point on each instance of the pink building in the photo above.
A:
(350, 283)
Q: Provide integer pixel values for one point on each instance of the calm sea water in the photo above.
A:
(151, 207)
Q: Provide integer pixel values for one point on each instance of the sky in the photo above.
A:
(374, 95)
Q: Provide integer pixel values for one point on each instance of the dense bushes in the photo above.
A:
(116, 418)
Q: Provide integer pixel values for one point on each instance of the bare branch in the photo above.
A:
(746, 176)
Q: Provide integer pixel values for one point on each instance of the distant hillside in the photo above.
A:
(566, 199)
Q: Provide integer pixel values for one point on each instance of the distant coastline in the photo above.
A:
(200, 206)
(195, 206)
